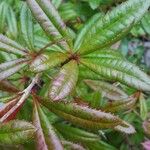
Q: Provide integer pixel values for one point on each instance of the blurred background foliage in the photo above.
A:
(135, 47)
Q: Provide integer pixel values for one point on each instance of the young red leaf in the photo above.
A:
(11, 114)
(45, 136)
(7, 106)
(8, 87)
(65, 81)
(84, 116)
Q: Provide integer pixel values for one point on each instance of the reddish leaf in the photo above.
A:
(8, 87)
(46, 138)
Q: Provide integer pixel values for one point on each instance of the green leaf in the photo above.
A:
(12, 23)
(112, 27)
(56, 3)
(105, 53)
(86, 73)
(86, 117)
(3, 12)
(120, 105)
(119, 70)
(68, 11)
(9, 68)
(16, 132)
(108, 90)
(27, 26)
(76, 134)
(10, 46)
(88, 139)
(45, 136)
(65, 81)
(49, 19)
(146, 22)
(72, 146)
(83, 33)
(143, 107)
(94, 3)
(96, 99)
(100, 145)
(47, 61)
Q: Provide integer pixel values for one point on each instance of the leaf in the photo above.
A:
(7, 106)
(16, 132)
(65, 81)
(3, 12)
(75, 134)
(112, 27)
(119, 70)
(96, 99)
(84, 116)
(108, 90)
(10, 71)
(72, 146)
(49, 19)
(10, 46)
(129, 129)
(47, 61)
(9, 64)
(146, 145)
(88, 139)
(12, 23)
(21, 98)
(82, 34)
(143, 107)
(101, 145)
(8, 87)
(45, 136)
(146, 127)
(68, 11)
(146, 22)
(120, 105)
(56, 3)
(27, 26)
(86, 73)
(105, 53)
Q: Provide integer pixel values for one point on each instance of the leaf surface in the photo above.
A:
(49, 19)
(119, 70)
(120, 105)
(45, 136)
(65, 81)
(16, 132)
(47, 61)
(112, 27)
(27, 26)
(11, 46)
(108, 90)
(84, 116)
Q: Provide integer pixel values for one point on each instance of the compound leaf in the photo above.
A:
(107, 30)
